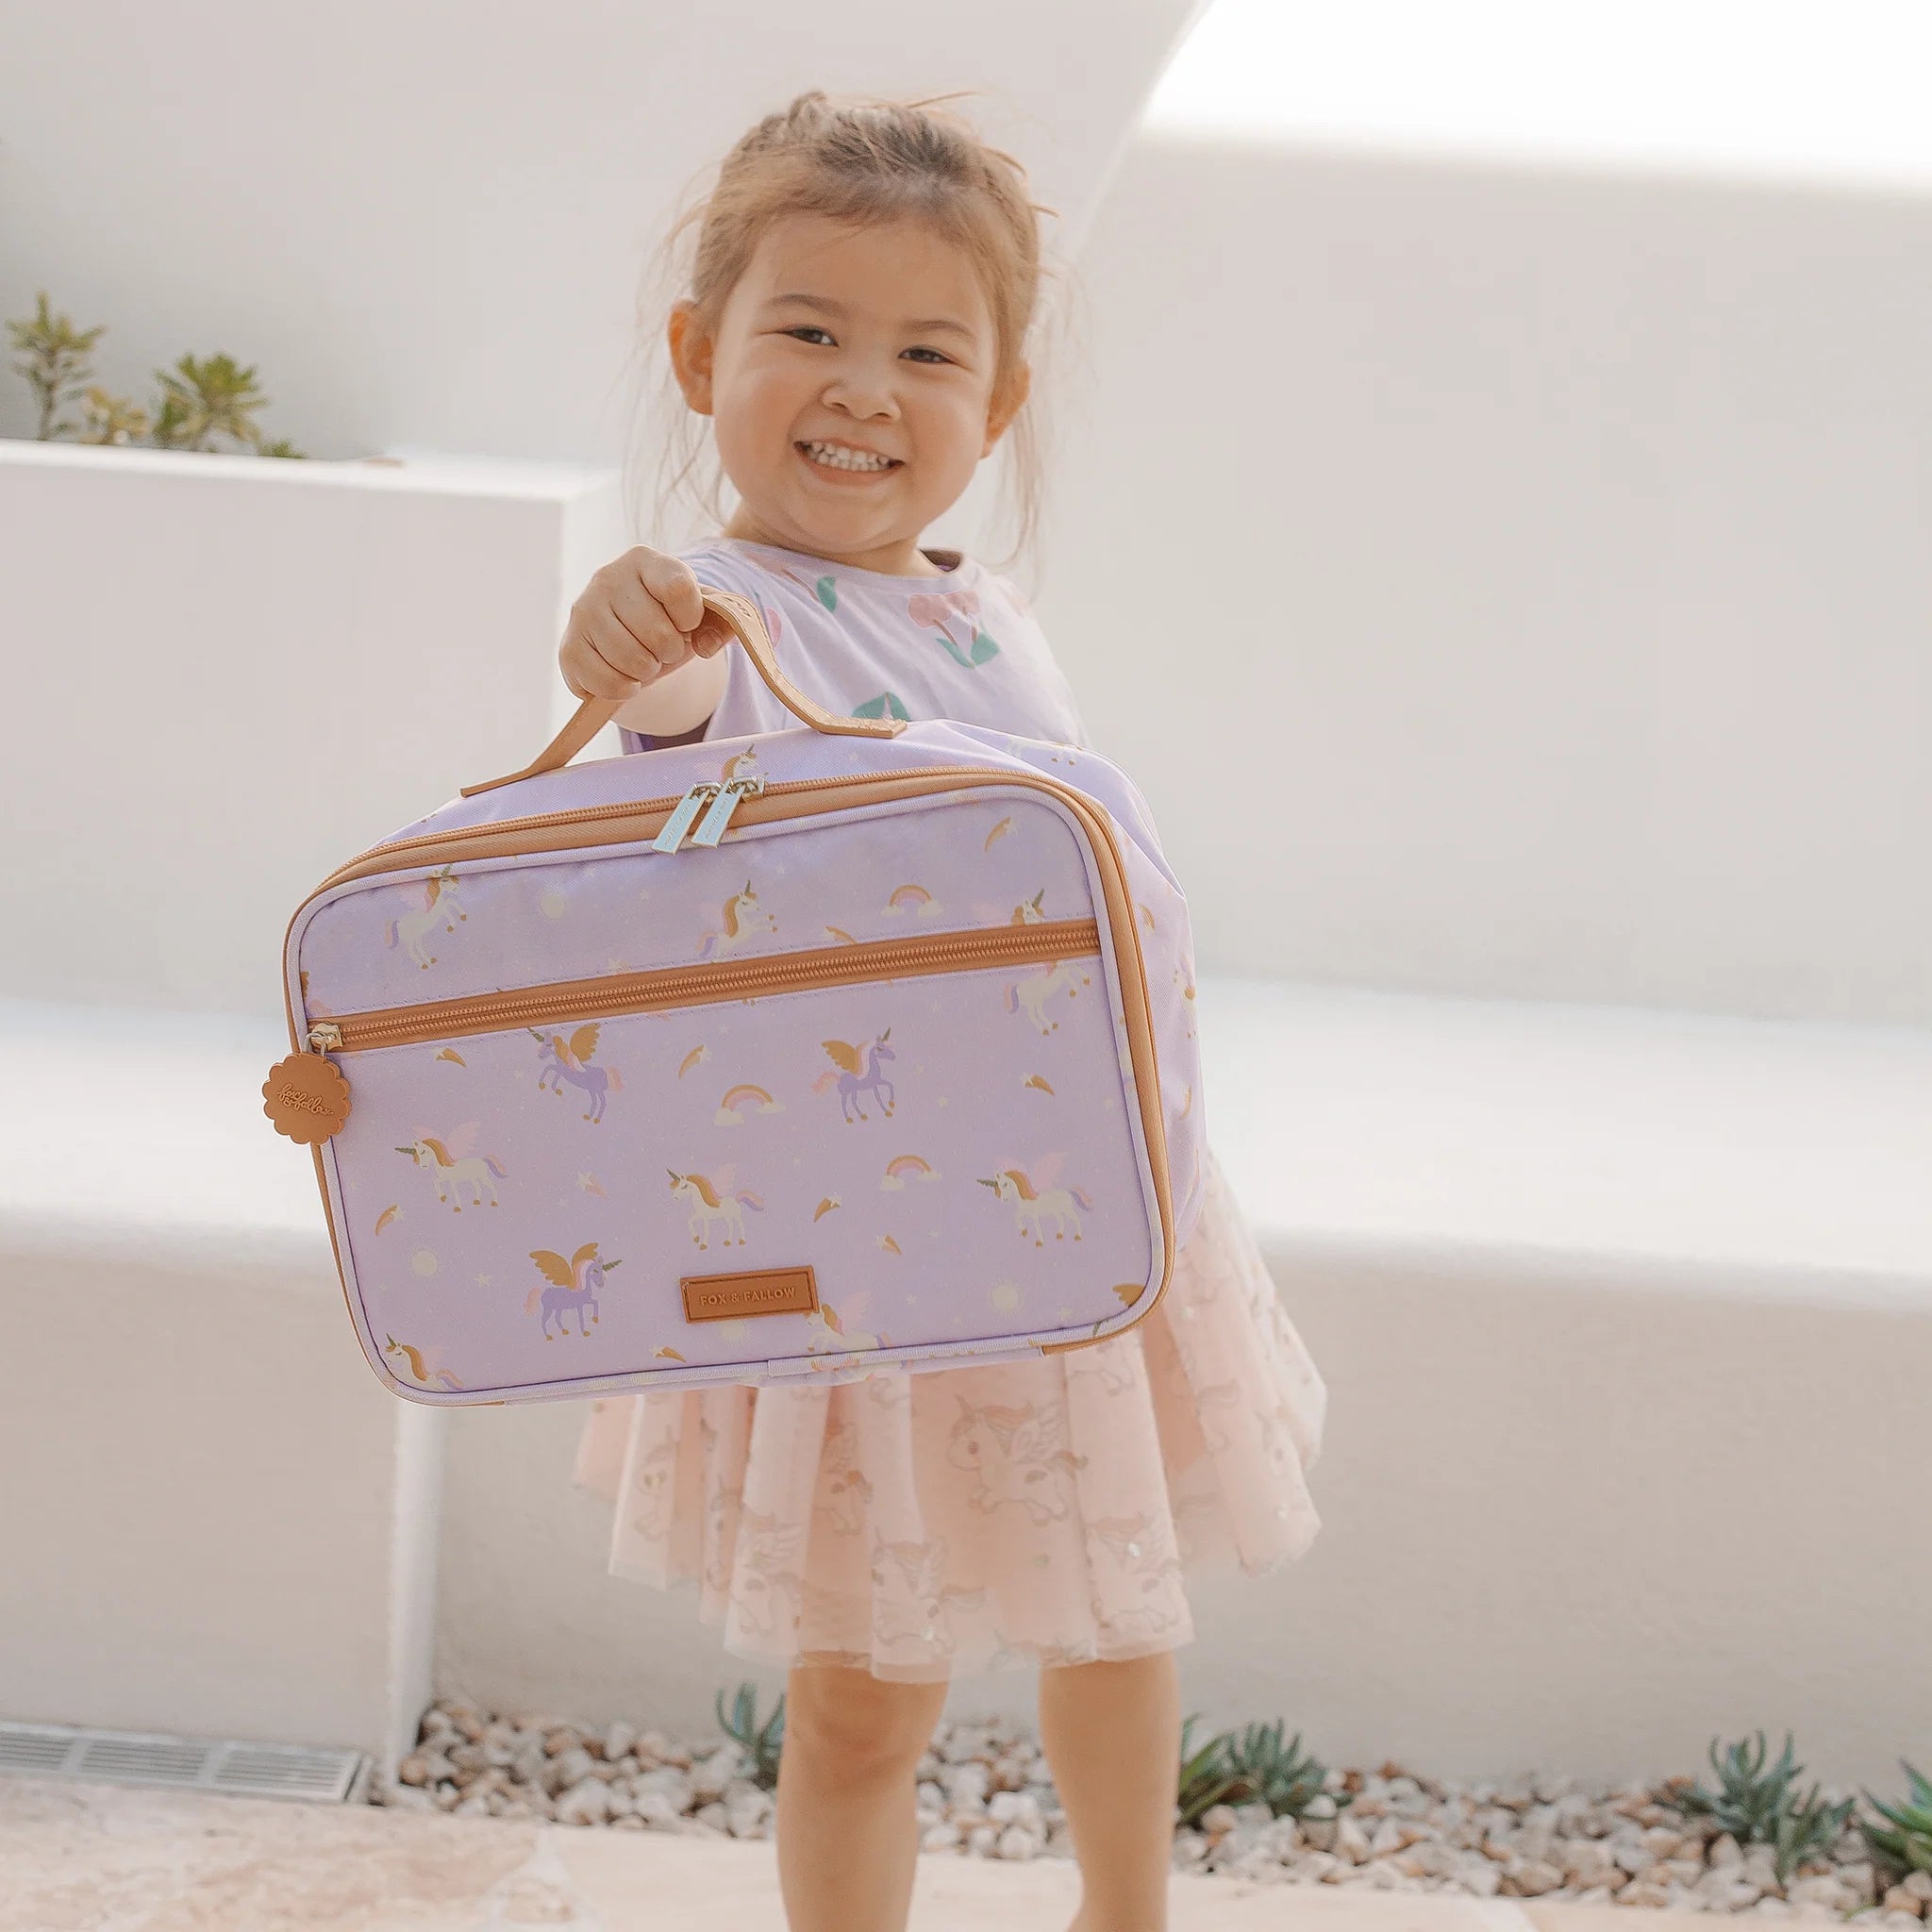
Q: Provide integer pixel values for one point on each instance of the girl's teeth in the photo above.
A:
(845, 458)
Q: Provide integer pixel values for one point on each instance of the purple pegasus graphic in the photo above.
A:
(856, 1076)
(570, 1059)
(574, 1284)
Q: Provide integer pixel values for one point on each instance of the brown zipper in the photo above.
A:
(650, 812)
(1137, 1003)
(607, 994)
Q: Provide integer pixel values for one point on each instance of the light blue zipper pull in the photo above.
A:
(686, 809)
(711, 828)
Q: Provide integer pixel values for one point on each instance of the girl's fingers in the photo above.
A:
(632, 624)
(603, 658)
(670, 582)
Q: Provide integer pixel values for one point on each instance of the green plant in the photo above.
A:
(1759, 1809)
(200, 397)
(204, 396)
(111, 419)
(1233, 1769)
(1909, 1848)
(761, 1743)
(54, 362)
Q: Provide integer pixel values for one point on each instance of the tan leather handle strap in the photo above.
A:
(740, 617)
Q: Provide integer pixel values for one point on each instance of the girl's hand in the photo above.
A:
(641, 616)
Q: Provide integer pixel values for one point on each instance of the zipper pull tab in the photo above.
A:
(305, 1096)
(679, 821)
(712, 828)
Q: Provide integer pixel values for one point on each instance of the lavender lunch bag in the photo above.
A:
(758, 1060)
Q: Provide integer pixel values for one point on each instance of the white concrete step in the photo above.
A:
(1617, 1310)
(1375, 1121)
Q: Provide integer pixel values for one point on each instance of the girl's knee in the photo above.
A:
(862, 1722)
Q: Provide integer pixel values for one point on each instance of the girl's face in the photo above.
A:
(876, 341)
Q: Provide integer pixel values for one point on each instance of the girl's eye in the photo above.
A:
(811, 329)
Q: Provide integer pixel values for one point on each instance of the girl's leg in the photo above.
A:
(1112, 1737)
(846, 1826)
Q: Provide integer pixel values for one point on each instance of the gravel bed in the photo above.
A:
(985, 1792)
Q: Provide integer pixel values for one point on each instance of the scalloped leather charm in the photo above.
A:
(306, 1097)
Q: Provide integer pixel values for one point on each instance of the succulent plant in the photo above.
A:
(1907, 1847)
(1756, 1807)
(200, 397)
(54, 362)
(764, 1743)
(1239, 1768)
(204, 396)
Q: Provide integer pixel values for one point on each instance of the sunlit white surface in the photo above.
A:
(1745, 87)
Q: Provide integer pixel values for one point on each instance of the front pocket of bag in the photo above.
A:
(938, 1128)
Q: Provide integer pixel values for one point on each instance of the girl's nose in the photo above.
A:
(861, 395)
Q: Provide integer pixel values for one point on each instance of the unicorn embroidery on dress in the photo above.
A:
(1015, 1457)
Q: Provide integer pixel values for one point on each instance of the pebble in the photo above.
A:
(986, 1791)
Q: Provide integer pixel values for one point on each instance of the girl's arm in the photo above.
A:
(677, 704)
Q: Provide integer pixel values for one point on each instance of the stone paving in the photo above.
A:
(85, 1857)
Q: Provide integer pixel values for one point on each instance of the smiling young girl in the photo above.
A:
(865, 278)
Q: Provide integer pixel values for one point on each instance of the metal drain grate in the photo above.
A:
(196, 1764)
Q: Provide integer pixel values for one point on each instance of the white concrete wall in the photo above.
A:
(427, 226)
(1516, 582)
(213, 1519)
(228, 675)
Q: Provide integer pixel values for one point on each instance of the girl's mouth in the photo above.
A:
(835, 461)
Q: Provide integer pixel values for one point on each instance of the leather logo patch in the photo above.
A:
(749, 1291)
(306, 1097)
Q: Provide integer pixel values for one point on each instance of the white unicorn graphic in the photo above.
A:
(456, 1166)
(713, 1197)
(1035, 1199)
(438, 902)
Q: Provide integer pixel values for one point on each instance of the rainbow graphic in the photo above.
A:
(903, 1167)
(909, 898)
(744, 1096)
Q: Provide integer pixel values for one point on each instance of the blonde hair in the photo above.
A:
(865, 160)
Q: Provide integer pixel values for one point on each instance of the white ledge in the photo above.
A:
(1788, 1158)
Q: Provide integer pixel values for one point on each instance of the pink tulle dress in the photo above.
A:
(959, 1520)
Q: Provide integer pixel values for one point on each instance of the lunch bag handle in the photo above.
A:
(740, 617)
